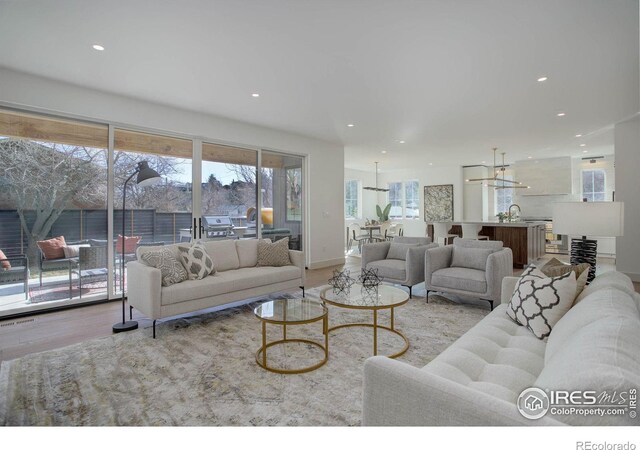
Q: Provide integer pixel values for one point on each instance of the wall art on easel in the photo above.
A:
(438, 203)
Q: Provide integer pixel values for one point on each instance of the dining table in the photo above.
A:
(371, 228)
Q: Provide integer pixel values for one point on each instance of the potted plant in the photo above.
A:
(501, 217)
(383, 214)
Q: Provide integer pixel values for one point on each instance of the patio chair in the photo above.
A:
(17, 273)
(53, 265)
(90, 266)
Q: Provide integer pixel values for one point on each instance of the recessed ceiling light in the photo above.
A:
(529, 157)
(98, 47)
(560, 114)
(541, 79)
(583, 145)
(384, 151)
(402, 142)
(431, 164)
(350, 125)
(584, 151)
(578, 135)
(484, 162)
(256, 95)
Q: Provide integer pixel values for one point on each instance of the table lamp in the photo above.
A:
(601, 219)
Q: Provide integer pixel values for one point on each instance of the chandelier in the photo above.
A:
(498, 181)
(376, 188)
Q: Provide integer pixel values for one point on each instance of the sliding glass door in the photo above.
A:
(282, 189)
(153, 215)
(53, 210)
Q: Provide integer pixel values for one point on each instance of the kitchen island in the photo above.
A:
(525, 239)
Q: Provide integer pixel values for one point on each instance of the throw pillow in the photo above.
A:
(6, 265)
(399, 251)
(555, 268)
(196, 260)
(73, 251)
(274, 254)
(164, 259)
(52, 248)
(130, 244)
(538, 302)
(470, 258)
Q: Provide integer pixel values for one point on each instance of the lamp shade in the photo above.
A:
(146, 175)
(604, 219)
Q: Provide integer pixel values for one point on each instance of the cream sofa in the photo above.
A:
(477, 380)
(237, 278)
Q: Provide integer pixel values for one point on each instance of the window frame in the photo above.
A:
(401, 200)
(358, 199)
(496, 203)
(406, 200)
(591, 195)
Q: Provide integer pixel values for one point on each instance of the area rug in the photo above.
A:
(201, 370)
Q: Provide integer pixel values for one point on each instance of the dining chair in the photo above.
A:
(357, 235)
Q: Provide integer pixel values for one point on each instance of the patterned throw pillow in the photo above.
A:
(164, 259)
(273, 254)
(52, 248)
(539, 302)
(196, 260)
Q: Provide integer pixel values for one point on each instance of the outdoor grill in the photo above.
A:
(217, 226)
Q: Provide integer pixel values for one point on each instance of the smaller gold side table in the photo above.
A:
(286, 312)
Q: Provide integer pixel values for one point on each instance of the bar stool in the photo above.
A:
(471, 230)
(441, 232)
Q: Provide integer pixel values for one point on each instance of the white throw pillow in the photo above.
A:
(196, 260)
(538, 301)
(73, 251)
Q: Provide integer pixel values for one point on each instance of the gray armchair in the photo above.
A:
(468, 268)
(400, 261)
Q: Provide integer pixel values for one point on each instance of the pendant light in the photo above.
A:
(376, 188)
(498, 181)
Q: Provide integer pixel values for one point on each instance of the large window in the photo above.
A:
(504, 197)
(351, 196)
(593, 185)
(395, 198)
(412, 199)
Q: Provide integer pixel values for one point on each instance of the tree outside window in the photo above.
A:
(412, 199)
(395, 198)
(351, 204)
(593, 182)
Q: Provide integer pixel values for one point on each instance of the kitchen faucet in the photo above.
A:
(519, 211)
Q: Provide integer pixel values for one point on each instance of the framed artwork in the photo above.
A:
(438, 203)
(294, 193)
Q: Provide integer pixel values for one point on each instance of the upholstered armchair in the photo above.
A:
(468, 268)
(400, 261)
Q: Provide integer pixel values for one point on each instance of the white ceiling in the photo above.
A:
(451, 78)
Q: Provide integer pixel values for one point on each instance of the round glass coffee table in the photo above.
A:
(287, 312)
(382, 297)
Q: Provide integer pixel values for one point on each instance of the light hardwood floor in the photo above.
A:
(19, 337)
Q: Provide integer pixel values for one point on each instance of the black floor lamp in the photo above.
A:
(601, 219)
(146, 177)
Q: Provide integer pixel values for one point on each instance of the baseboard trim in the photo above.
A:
(634, 276)
(327, 263)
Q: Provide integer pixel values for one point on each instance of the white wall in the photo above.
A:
(426, 176)
(627, 150)
(476, 194)
(326, 160)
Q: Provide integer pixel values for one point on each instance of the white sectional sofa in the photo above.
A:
(237, 278)
(477, 380)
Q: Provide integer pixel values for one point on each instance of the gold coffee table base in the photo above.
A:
(375, 336)
(262, 361)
